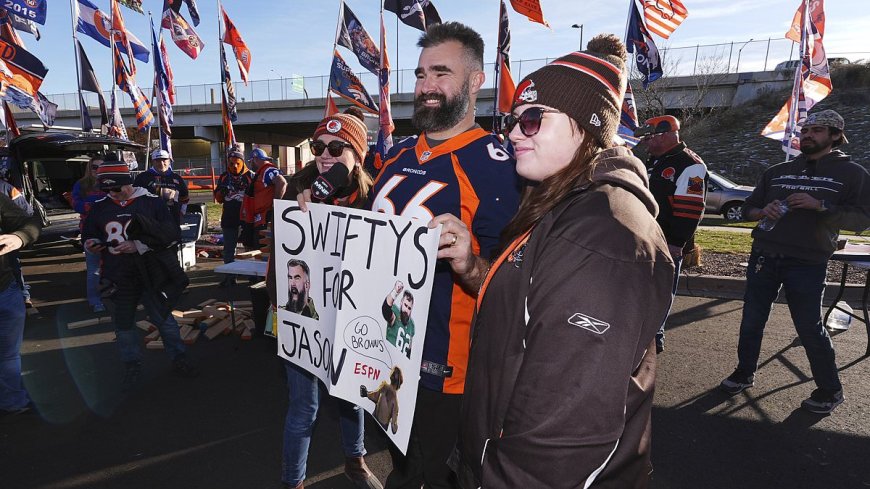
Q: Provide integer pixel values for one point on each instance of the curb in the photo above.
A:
(717, 287)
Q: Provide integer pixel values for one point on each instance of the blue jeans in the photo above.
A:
(231, 239)
(305, 395)
(660, 335)
(12, 393)
(804, 285)
(92, 262)
(130, 345)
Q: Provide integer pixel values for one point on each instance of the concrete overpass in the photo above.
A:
(288, 122)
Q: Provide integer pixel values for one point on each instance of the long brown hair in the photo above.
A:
(88, 182)
(540, 198)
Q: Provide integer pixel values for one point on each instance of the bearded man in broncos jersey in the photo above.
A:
(105, 232)
(453, 167)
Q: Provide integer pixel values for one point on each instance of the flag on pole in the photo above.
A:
(120, 32)
(94, 24)
(531, 9)
(19, 24)
(168, 69)
(419, 14)
(354, 37)
(640, 43)
(20, 69)
(126, 81)
(817, 14)
(506, 85)
(628, 119)
(35, 10)
(88, 82)
(191, 8)
(9, 121)
(385, 116)
(229, 133)
(116, 122)
(234, 39)
(45, 109)
(331, 108)
(812, 83)
(182, 33)
(161, 88)
(345, 84)
(228, 85)
(663, 16)
(134, 5)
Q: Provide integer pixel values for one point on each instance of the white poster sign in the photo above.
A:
(353, 298)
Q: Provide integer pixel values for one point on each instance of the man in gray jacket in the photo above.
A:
(17, 229)
(805, 202)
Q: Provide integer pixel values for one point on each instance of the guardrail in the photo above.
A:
(751, 55)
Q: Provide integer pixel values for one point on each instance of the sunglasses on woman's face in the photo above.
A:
(336, 148)
(529, 120)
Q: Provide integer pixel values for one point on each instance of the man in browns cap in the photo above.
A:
(678, 181)
(811, 198)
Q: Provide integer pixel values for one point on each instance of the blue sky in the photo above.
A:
(288, 37)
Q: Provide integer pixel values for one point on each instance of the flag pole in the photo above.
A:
(397, 70)
(74, 17)
(114, 68)
(156, 52)
(796, 87)
(224, 108)
(497, 69)
(334, 47)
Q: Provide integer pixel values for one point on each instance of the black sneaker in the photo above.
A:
(737, 382)
(132, 376)
(182, 368)
(823, 401)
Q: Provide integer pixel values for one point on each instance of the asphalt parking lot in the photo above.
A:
(224, 429)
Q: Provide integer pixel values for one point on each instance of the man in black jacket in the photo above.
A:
(17, 230)
(678, 181)
(105, 231)
(811, 198)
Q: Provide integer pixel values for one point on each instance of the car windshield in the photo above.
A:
(722, 180)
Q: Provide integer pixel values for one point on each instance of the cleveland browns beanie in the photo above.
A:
(588, 86)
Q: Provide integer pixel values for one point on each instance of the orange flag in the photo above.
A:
(531, 9)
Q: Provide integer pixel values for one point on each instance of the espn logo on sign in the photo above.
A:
(589, 323)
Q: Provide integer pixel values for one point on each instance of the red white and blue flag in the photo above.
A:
(161, 89)
(182, 33)
(93, 23)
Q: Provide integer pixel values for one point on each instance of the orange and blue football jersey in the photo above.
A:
(473, 177)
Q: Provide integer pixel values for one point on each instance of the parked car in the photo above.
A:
(792, 64)
(725, 197)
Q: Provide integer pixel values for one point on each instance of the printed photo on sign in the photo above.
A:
(354, 289)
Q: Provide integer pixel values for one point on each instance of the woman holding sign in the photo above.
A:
(562, 363)
(335, 177)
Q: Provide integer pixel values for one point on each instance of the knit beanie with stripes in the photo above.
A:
(588, 86)
(113, 174)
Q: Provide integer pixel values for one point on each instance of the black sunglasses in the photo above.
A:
(114, 189)
(336, 148)
(529, 120)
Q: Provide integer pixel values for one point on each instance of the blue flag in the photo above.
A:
(354, 37)
(161, 86)
(27, 9)
(344, 83)
(640, 43)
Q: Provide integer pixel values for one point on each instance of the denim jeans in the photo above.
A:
(305, 393)
(92, 262)
(804, 285)
(130, 345)
(660, 335)
(12, 393)
(15, 260)
(231, 240)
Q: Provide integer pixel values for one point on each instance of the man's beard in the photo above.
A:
(404, 317)
(444, 117)
(297, 300)
(808, 146)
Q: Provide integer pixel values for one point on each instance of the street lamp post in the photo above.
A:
(739, 52)
(579, 26)
(280, 76)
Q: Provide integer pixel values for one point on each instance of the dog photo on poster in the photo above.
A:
(354, 289)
